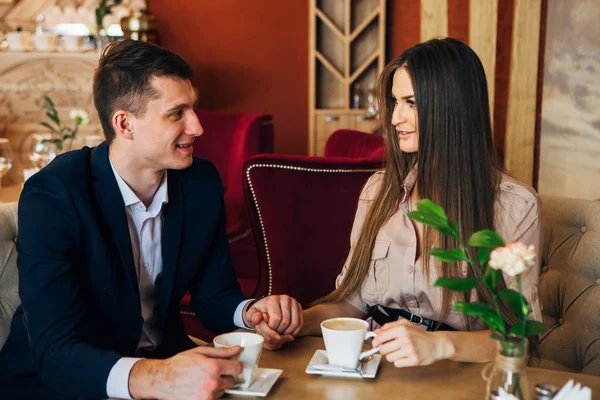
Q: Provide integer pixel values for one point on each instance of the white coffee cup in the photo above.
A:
(71, 43)
(344, 338)
(44, 42)
(252, 345)
(18, 41)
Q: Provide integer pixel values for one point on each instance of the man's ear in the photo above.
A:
(122, 125)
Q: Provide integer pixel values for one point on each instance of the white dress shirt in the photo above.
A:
(145, 231)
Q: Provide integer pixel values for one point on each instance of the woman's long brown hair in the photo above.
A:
(457, 165)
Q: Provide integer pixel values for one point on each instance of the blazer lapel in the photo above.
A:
(112, 207)
(173, 213)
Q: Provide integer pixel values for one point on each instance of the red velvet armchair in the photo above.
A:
(302, 209)
(228, 141)
(355, 144)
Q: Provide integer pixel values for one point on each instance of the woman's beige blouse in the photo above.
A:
(396, 280)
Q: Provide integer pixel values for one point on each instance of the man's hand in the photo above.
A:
(277, 318)
(202, 373)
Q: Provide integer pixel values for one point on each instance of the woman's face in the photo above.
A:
(404, 116)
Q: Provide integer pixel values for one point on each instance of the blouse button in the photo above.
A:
(545, 268)
(584, 229)
(412, 303)
(534, 296)
(561, 321)
(410, 269)
(598, 281)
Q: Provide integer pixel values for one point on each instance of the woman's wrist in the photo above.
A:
(445, 345)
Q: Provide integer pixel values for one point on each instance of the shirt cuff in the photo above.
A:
(117, 385)
(238, 319)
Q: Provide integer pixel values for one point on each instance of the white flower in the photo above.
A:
(80, 116)
(513, 259)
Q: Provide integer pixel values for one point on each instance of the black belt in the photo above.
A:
(382, 315)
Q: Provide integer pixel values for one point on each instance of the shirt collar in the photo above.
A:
(130, 198)
(409, 183)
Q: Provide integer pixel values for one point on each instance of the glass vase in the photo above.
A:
(102, 39)
(508, 371)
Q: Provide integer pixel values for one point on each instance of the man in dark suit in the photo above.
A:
(110, 238)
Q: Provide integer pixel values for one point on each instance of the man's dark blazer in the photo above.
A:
(80, 308)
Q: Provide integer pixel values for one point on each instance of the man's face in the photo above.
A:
(163, 138)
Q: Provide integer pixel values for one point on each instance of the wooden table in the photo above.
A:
(440, 381)
(10, 193)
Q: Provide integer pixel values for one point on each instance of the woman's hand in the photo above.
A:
(408, 345)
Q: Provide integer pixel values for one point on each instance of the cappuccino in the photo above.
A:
(344, 325)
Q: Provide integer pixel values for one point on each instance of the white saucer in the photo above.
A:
(320, 357)
(263, 382)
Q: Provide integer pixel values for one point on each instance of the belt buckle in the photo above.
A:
(416, 319)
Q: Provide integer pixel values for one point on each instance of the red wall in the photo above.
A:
(252, 56)
(248, 56)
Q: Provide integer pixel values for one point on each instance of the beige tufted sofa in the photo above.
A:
(9, 279)
(570, 285)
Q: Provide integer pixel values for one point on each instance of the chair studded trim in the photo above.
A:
(257, 206)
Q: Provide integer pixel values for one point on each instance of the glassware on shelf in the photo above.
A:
(372, 108)
(5, 158)
(356, 96)
(40, 155)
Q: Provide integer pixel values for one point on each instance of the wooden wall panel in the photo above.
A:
(483, 19)
(434, 19)
(520, 119)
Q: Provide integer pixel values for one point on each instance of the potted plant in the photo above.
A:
(494, 257)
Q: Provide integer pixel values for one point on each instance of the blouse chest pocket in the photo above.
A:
(377, 281)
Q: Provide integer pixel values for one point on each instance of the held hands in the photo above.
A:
(277, 318)
(405, 344)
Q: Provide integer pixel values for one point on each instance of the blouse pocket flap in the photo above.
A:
(380, 250)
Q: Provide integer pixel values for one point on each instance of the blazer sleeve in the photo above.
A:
(55, 317)
(216, 292)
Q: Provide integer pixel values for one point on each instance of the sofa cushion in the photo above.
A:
(570, 285)
(9, 278)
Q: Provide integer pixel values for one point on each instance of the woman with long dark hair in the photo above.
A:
(436, 119)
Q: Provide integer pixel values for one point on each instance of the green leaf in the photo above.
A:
(486, 238)
(515, 302)
(431, 214)
(532, 328)
(448, 255)
(57, 142)
(492, 277)
(53, 117)
(473, 309)
(427, 206)
(483, 311)
(453, 230)
(439, 224)
(483, 255)
(47, 125)
(496, 336)
(494, 321)
(457, 284)
(49, 101)
(432, 220)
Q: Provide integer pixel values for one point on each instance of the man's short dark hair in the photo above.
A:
(122, 79)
